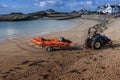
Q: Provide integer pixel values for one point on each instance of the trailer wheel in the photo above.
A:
(88, 44)
(49, 49)
(111, 44)
(96, 45)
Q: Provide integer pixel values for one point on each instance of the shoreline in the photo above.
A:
(35, 29)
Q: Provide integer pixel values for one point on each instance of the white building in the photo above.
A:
(109, 9)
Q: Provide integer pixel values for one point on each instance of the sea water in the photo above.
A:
(9, 30)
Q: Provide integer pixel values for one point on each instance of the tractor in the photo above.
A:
(95, 40)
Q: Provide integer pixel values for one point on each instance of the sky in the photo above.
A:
(28, 6)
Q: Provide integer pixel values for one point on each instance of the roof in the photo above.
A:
(113, 6)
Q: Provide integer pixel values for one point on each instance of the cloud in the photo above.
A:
(44, 3)
(67, 5)
(8, 6)
(52, 2)
(89, 2)
(77, 5)
(80, 3)
(3, 6)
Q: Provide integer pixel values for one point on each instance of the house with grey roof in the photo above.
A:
(109, 9)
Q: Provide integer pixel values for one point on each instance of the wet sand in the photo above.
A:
(22, 60)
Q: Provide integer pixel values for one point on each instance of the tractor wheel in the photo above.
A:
(49, 49)
(96, 45)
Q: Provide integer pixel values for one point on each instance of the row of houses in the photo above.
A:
(109, 9)
(105, 9)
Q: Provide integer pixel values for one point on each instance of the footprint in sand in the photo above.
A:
(25, 62)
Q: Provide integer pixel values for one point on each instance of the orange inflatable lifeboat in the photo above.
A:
(51, 43)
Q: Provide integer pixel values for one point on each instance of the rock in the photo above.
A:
(50, 14)
(22, 17)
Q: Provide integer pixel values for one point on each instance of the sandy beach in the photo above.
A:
(20, 59)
